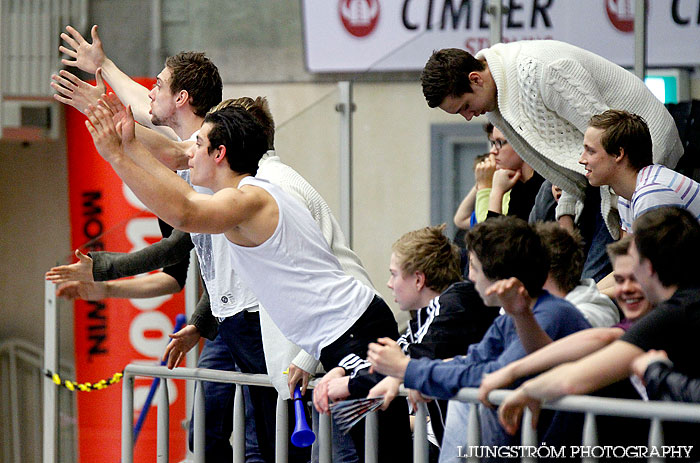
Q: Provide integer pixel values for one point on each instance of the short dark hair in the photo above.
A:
(447, 74)
(618, 248)
(430, 252)
(624, 130)
(670, 238)
(259, 108)
(241, 134)
(195, 73)
(509, 247)
(566, 255)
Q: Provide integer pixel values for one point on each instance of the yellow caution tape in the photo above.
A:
(84, 387)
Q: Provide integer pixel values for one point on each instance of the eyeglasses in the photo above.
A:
(498, 143)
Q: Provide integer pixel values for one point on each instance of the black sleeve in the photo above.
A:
(166, 252)
(651, 331)
(203, 319)
(491, 214)
(361, 381)
(461, 320)
(665, 384)
(177, 270)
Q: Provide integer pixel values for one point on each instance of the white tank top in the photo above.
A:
(297, 279)
(227, 294)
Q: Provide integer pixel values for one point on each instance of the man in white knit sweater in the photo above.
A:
(541, 95)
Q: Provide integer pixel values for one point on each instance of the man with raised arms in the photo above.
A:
(277, 247)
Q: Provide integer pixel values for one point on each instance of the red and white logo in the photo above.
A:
(621, 14)
(359, 17)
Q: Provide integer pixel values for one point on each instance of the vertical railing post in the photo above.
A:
(640, 38)
(192, 357)
(50, 444)
(473, 430)
(529, 435)
(324, 438)
(420, 435)
(590, 435)
(199, 417)
(496, 23)
(127, 418)
(656, 438)
(371, 437)
(239, 426)
(346, 107)
(282, 428)
(163, 427)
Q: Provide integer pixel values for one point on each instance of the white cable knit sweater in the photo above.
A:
(548, 91)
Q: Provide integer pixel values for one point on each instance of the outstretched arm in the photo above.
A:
(165, 193)
(153, 285)
(89, 57)
(602, 368)
(568, 349)
(170, 152)
(79, 271)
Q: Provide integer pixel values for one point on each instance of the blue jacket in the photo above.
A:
(500, 346)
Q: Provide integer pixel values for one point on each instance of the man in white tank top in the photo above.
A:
(277, 247)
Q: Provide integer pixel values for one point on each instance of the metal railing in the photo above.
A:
(657, 412)
(21, 374)
(323, 430)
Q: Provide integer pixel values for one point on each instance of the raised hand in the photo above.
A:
(75, 92)
(483, 173)
(79, 271)
(387, 358)
(181, 343)
(86, 56)
(114, 104)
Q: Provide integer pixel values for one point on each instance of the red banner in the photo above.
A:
(112, 333)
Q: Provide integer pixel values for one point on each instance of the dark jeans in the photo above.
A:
(218, 407)
(394, 437)
(597, 237)
(241, 336)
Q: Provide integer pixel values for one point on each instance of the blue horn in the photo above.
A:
(302, 435)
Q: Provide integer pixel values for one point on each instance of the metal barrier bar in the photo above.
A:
(591, 406)
(325, 453)
(420, 446)
(238, 426)
(371, 438)
(163, 425)
(282, 431)
(590, 434)
(199, 436)
(127, 418)
(50, 420)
